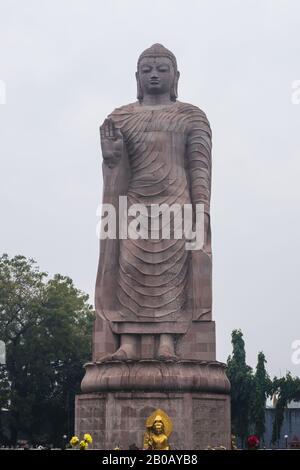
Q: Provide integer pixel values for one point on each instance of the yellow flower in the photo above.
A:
(74, 441)
(83, 445)
(88, 438)
(117, 448)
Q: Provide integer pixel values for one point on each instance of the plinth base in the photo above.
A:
(118, 418)
(122, 395)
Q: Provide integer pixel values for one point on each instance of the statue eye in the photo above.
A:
(163, 68)
(146, 69)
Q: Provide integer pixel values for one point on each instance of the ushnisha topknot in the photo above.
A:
(158, 50)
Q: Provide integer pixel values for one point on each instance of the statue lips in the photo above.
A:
(154, 82)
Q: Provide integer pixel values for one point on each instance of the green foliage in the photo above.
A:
(249, 393)
(285, 389)
(262, 388)
(46, 325)
(241, 379)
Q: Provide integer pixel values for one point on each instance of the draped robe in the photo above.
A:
(156, 285)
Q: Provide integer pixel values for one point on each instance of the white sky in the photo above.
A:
(68, 63)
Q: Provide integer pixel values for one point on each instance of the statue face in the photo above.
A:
(158, 426)
(156, 75)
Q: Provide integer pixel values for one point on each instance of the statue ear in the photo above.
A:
(174, 88)
(140, 95)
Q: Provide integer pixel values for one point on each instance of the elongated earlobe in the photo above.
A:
(174, 88)
(140, 95)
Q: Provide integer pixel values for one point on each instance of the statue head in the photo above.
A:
(157, 72)
(158, 425)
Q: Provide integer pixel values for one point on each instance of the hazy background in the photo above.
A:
(67, 64)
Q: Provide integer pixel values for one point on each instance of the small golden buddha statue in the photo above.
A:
(159, 427)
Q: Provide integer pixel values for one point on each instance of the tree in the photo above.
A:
(4, 399)
(262, 388)
(286, 389)
(46, 325)
(241, 379)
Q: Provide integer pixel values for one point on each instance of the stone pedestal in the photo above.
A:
(118, 418)
(118, 397)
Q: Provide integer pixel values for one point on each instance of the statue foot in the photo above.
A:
(165, 354)
(166, 350)
(127, 350)
(124, 353)
(104, 358)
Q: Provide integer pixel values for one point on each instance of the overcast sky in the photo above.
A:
(67, 64)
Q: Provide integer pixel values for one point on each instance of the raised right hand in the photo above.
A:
(112, 143)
